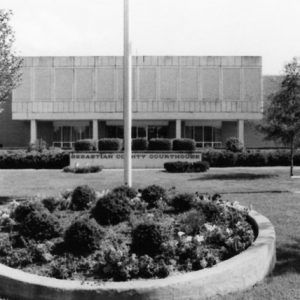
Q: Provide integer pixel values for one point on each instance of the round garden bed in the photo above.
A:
(128, 245)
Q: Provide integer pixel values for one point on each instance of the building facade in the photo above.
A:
(207, 98)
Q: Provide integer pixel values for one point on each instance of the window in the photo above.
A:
(65, 136)
(205, 136)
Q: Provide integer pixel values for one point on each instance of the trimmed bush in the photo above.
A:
(83, 236)
(126, 191)
(83, 170)
(147, 239)
(50, 203)
(83, 196)
(183, 202)
(200, 166)
(184, 145)
(110, 144)
(183, 166)
(152, 194)
(85, 145)
(40, 226)
(139, 144)
(111, 209)
(234, 144)
(25, 208)
(192, 221)
(49, 159)
(177, 166)
(160, 145)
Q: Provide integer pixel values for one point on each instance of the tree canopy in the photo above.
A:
(10, 64)
(281, 120)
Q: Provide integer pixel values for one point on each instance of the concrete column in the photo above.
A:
(95, 130)
(241, 131)
(33, 131)
(178, 129)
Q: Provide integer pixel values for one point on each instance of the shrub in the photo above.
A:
(183, 202)
(234, 144)
(111, 209)
(211, 210)
(177, 166)
(50, 203)
(85, 145)
(83, 170)
(191, 222)
(126, 191)
(147, 239)
(40, 226)
(83, 236)
(39, 145)
(184, 144)
(139, 144)
(48, 159)
(183, 166)
(152, 194)
(200, 166)
(110, 144)
(82, 197)
(160, 144)
(22, 210)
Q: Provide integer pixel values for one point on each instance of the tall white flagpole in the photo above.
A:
(127, 96)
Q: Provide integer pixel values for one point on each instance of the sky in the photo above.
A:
(269, 28)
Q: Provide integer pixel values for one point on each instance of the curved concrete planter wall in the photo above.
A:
(235, 274)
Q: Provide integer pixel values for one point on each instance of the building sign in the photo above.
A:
(139, 159)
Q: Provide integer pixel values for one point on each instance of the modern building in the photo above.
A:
(207, 98)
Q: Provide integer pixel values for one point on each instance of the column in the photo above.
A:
(95, 130)
(33, 131)
(178, 129)
(241, 131)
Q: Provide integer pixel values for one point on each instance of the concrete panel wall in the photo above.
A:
(163, 84)
(232, 84)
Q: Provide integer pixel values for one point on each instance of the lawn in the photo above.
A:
(268, 190)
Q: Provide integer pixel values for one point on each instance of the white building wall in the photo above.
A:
(167, 87)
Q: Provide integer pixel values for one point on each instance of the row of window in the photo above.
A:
(205, 136)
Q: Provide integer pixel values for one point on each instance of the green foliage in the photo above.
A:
(82, 197)
(39, 145)
(184, 145)
(160, 145)
(83, 169)
(152, 194)
(50, 203)
(234, 144)
(281, 120)
(85, 145)
(183, 202)
(40, 226)
(147, 238)
(126, 191)
(83, 236)
(22, 210)
(49, 159)
(139, 144)
(184, 166)
(111, 209)
(113, 144)
(10, 67)
(192, 221)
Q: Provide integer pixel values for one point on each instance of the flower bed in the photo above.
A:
(122, 234)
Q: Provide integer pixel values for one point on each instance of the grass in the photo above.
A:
(268, 190)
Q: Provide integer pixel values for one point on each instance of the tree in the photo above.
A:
(281, 120)
(10, 65)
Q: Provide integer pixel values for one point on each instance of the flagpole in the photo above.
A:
(127, 96)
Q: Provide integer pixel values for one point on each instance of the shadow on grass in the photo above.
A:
(288, 258)
(235, 176)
